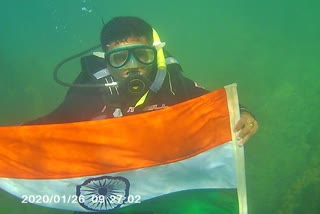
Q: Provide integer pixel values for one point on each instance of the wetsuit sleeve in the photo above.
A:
(74, 108)
(79, 104)
(56, 116)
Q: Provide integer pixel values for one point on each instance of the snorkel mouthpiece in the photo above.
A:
(134, 84)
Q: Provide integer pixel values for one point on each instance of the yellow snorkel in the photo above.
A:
(162, 67)
(160, 55)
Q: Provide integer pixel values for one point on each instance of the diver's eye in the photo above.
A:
(119, 58)
(145, 55)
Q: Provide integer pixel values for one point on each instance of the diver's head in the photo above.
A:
(128, 46)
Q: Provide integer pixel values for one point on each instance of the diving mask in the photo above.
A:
(119, 57)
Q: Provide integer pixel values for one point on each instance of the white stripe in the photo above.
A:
(211, 169)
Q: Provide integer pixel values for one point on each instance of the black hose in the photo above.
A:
(58, 66)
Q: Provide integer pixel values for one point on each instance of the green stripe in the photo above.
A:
(221, 201)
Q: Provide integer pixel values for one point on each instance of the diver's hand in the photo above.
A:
(246, 127)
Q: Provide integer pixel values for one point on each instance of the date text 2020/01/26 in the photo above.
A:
(49, 199)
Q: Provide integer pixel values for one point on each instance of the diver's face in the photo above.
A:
(124, 59)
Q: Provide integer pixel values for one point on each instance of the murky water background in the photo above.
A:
(270, 48)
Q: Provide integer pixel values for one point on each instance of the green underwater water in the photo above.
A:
(271, 49)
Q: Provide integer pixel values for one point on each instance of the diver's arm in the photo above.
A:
(59, 115)
(77, 106)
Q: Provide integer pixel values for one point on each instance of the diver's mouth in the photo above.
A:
(130, 73)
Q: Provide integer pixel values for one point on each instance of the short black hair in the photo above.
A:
(120, 28)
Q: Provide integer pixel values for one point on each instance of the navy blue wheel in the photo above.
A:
(103, 193)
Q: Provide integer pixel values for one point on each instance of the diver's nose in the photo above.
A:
(133, 63)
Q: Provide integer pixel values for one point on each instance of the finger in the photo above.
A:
(243, 140)
(255, 127)
(248, 130)
(240, 124)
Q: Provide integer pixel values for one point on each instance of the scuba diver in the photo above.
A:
(133, 74)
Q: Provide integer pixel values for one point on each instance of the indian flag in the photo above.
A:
(184, 155)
